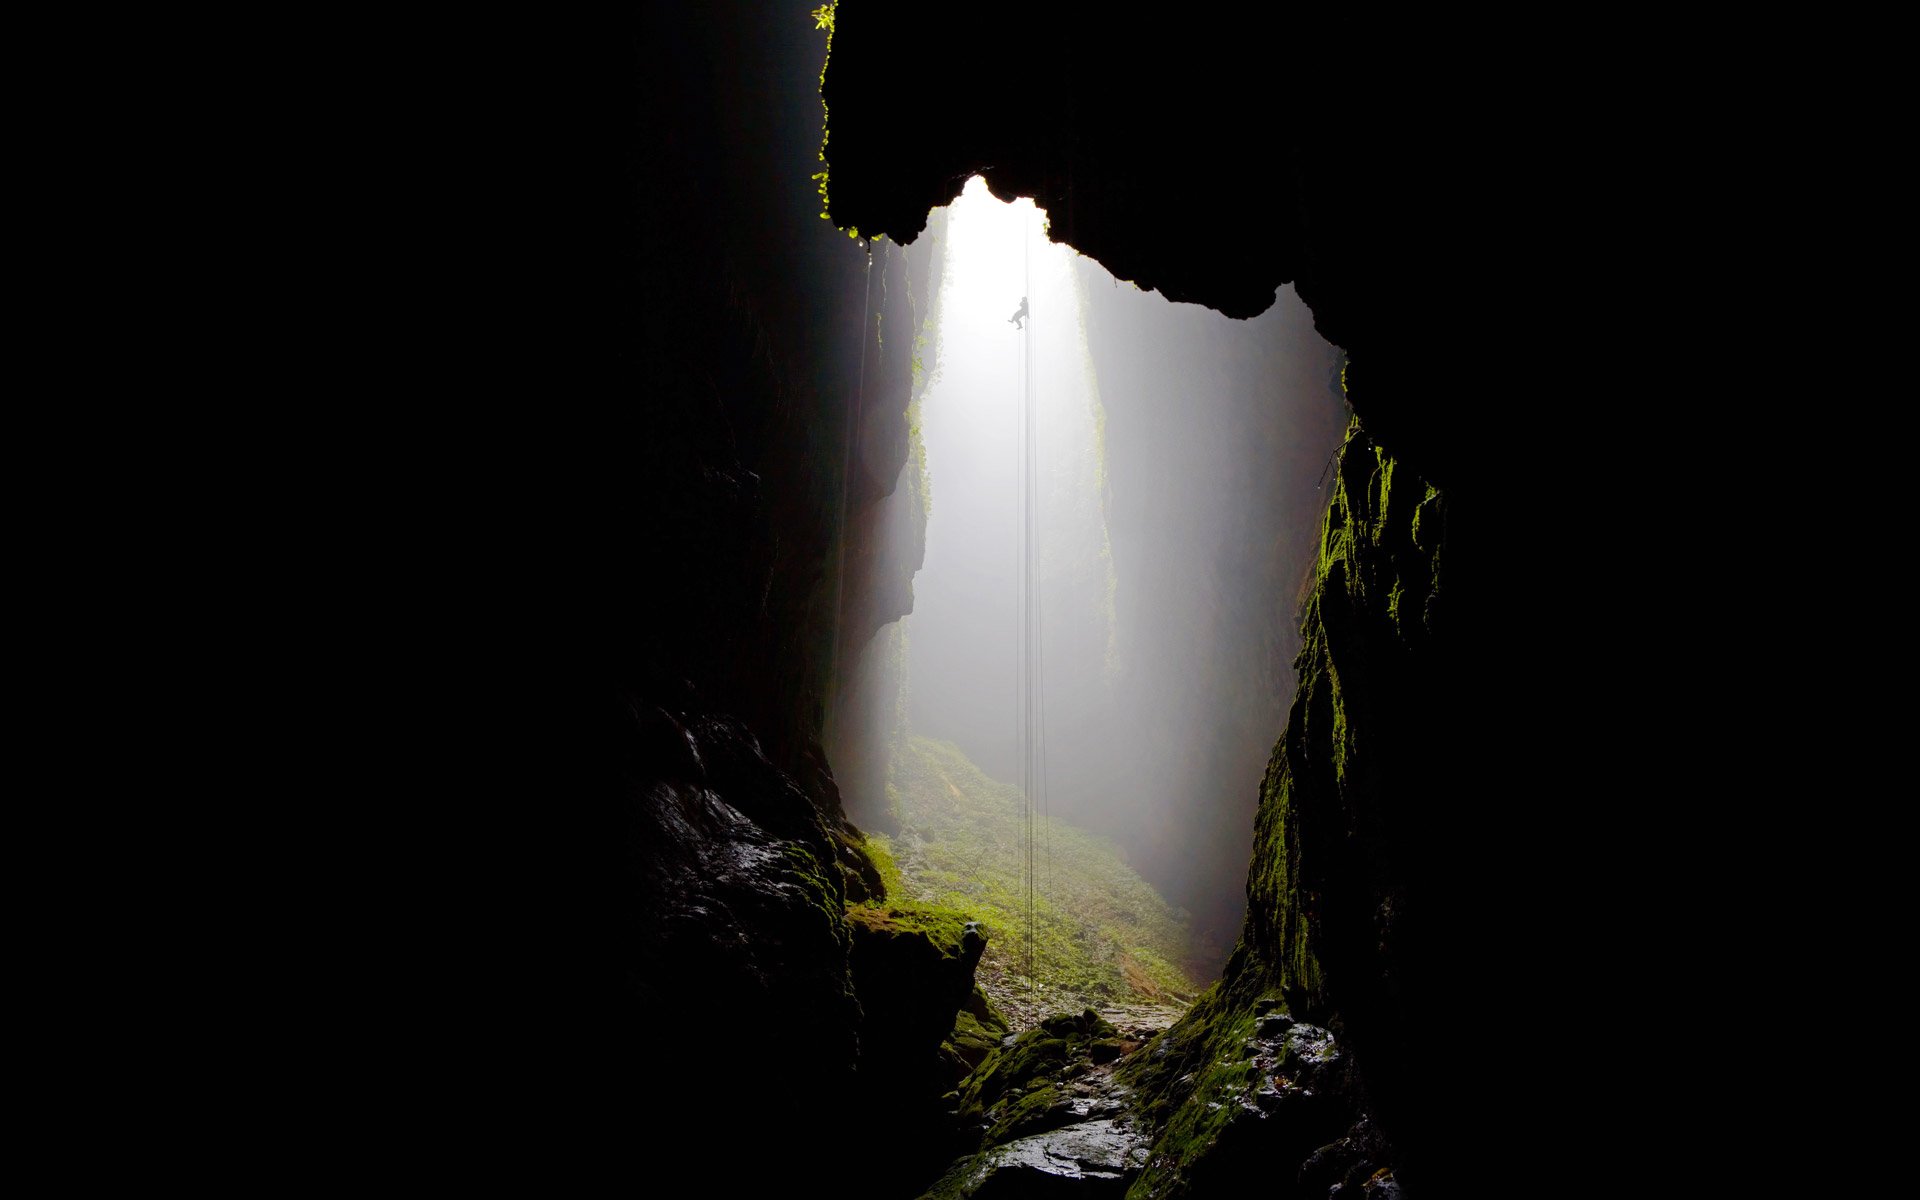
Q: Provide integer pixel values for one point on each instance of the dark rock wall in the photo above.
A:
(889, 512)
(1213, 157)
(1357, 844)
(911, 981)
(890, 533)
(699, 385)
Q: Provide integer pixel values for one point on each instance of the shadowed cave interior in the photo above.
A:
(1325, 672)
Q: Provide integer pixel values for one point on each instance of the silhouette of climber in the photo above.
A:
(1015, 319)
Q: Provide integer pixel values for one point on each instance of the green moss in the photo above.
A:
(1101, 932)
(959, 1181)
(880, 849)
(1016, 1089)
(978, 1032)
(1198, 1077)
(1032, 1112)
(971, 1042)
(944, 928)
(1191, 1128)
(822, 888)
(944, 925)
(1371, 607)
(823, 19)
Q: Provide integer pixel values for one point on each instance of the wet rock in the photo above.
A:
(1091, 1159)
(1048, 1117)
(1266, 1095)
(1040, 1079)
(729, 899)
(1089, 1155)
(1088, 1102)
(1310, 1045)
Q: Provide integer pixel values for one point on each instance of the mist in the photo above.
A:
(1175, 505)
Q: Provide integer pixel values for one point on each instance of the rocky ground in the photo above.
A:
(1048, 1115)
(1025, 1008)
(1052, 1117)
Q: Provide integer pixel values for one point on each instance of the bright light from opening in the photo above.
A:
(995, 249)
(1163, 646)
(963, 632)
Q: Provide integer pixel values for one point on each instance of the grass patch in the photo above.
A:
(1101, 933)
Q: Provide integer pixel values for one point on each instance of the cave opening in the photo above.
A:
(1100, 634)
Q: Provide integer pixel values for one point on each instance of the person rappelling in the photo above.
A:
(1019, 315)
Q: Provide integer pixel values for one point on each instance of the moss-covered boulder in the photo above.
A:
(913, 971)
(912, 967)
(978, 1031)
(1025, 1086)
(1047, 1116)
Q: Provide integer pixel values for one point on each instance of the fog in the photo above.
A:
(1175, 507)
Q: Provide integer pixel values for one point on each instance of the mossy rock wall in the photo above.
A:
(1337, 858)
(1324, 843)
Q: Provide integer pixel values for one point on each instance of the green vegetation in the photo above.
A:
(943, 927)
(1101, 933)
(1192, 1084)
(1369, 610)
(823, 19)
(977, 1033)
(1028, 1085)
(1018, 1087)
(943, 924)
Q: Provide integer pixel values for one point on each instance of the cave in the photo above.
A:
(690, 516)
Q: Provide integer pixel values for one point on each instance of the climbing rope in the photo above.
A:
(1029, 427)
(1032, 661)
